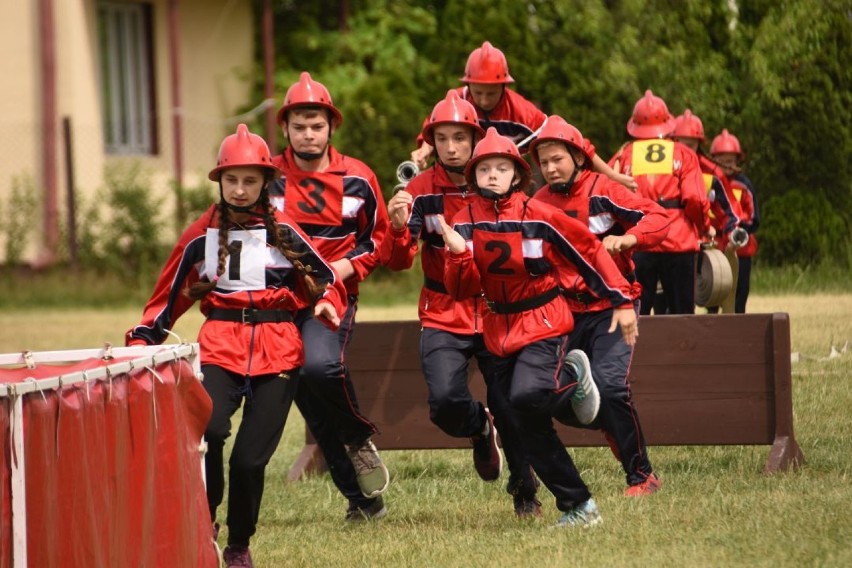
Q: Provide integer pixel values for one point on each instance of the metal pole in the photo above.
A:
(177, 110)
(269, 73)
(48, 139)
(70, 203)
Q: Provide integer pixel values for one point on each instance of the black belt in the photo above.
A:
(670, 203)
(250, 315)
(434, 285)
(523, 305)
(582, 297)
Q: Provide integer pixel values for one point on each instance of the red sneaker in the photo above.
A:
(487, 458)
(648, 487)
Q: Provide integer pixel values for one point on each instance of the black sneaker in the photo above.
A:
(237, 557)
(487, 458)
(527, 507)
(373, 511)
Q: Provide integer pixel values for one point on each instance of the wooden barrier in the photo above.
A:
(696, 380)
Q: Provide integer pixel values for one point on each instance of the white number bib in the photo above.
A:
(247, 261)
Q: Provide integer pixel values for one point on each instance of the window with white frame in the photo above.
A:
(127, 89)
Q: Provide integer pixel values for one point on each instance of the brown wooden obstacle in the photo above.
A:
(696, 380)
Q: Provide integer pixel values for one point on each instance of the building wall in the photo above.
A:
(216, 57)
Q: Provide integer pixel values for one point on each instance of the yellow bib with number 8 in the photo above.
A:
(652, 157)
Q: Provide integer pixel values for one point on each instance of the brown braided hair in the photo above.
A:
(283, 244)
(203, 287)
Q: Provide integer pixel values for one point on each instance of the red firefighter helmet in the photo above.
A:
(452, 110)
(556, 129)
(496, 146)
(651, 118)
(307, 92)
(243, 149)
(726, 143)
(688, 125)
(486, 64)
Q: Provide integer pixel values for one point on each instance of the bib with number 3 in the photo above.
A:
(247, 260)
(652, 157)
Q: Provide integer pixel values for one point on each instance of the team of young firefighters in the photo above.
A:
(540, 283)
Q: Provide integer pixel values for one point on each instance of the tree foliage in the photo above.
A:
(774, 72)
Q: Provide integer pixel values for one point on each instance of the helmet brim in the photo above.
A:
(650, 130)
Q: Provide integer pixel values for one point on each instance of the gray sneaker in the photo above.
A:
(373, 477)
(584, 515)
(586, 400)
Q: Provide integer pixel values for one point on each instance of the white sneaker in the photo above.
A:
(586, 400)
(585, 515)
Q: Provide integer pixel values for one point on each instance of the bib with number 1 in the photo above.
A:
(652, 157)
(247, 260)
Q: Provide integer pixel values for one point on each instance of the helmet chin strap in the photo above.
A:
(565, 186)
(452, 169)
(493, 195)
(311, 156)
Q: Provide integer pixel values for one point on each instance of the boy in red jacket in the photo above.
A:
(452, 329)
(667, 173)
(337, 201)
(486, 78)
(511, 249)
(624, 222)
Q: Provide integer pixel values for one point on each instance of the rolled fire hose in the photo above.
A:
(713, 277)
(405, 172)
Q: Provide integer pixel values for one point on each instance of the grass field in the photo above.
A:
(716, 507)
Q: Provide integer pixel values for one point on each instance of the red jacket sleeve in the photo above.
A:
(168, 302)
(322, 272)
(373, 226)
(653, 226)
(594, 264)
(461, 276)
(693, 195)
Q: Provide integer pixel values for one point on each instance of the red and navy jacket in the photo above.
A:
(341, 209)
(434, 194)
(607, 208)
(744, 193)
(515, 249)
(668, 173)
(256, 277)
(725, 213)
(514, 116)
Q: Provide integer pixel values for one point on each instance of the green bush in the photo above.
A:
(121, 230)
(197, 199)
(19, 218)
(804, 228)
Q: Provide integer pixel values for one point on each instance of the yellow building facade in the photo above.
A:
(111, 70)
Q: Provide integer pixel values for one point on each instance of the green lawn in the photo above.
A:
(716, 508)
